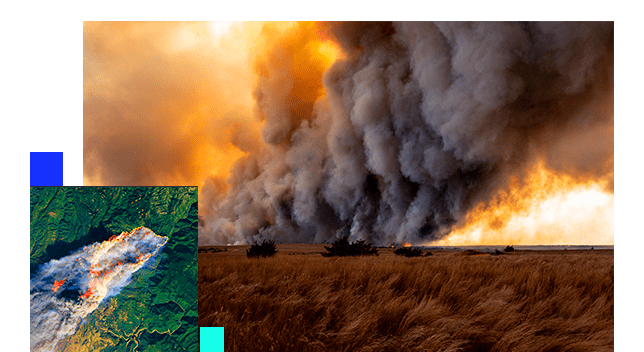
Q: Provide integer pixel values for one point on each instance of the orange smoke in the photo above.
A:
(546, 208)
(179, 96)
(329, 52)
(290, 61)
(175, 96)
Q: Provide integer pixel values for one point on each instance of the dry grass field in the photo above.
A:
(301, 301)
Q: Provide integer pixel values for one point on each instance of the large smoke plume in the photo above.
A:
(66, 290)
(417, 123)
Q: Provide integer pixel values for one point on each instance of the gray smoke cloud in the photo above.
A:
(420, 122)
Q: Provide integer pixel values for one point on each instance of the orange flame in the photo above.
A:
(546, 209)
(87, 293)
(57, 284)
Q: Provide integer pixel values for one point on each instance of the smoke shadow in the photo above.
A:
(71, 294)
(61, 249)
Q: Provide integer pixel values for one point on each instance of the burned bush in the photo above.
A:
(265, 249)
(343, 248)
(408, 252)
(509, 249)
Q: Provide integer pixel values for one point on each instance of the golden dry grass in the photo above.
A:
(299, 301)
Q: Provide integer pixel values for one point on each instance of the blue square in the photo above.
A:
(46, 169)
(211, 339)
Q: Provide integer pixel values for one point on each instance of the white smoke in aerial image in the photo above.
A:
(66, 290)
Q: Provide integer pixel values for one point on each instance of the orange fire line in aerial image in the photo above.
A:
(408, 133)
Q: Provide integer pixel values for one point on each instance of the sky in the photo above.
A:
(408, 132)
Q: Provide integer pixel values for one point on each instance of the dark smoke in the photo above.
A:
(420, 122)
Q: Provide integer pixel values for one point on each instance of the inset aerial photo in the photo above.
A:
(113, 269)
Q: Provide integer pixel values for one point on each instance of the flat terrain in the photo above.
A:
(450, 301)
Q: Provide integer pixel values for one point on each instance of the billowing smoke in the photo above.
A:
(66, 290)
(417, 123)
(162, 102)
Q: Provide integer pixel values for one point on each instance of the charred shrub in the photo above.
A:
(509, 249)
(343, 248)
(265, 249)
(408, 252)
(339, 248)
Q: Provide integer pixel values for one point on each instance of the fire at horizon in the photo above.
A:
(547, 208)
(414, 133)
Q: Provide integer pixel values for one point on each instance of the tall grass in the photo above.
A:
(543, 302)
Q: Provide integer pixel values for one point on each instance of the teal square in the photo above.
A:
(211, 339)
